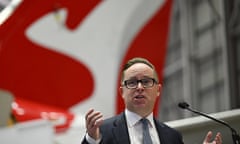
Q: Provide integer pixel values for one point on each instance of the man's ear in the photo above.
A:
(159, 89)
(120, 90)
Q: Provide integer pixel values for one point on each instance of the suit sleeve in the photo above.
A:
(88, 140)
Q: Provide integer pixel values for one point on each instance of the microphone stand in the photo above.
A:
(235, 136)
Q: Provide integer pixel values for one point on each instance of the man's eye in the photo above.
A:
(145, 81)
(131, 82)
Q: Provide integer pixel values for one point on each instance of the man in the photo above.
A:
(139, 88)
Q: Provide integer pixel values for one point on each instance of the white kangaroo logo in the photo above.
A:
(100, 42)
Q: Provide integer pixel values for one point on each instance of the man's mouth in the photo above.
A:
(139, 97)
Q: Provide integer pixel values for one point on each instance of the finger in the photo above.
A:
(87, 116)
(218, 138)
(208, 137)
(92, 118)
(96, 120)
(90, 115)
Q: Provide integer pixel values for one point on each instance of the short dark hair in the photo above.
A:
(139, 60)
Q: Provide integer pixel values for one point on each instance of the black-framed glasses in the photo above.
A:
(133, 83)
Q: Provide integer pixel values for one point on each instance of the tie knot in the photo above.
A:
(144, 121)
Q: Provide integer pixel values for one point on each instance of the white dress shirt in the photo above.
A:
(135, 128)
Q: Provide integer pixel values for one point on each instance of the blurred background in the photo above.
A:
(203, 57)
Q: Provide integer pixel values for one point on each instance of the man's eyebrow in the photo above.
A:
(135, 78)
(132, 78)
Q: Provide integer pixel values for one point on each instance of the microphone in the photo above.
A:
(235, 136)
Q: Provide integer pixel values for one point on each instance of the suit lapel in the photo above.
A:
(162, 136)
(120, 130)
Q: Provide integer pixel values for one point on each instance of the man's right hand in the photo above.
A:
(93, 120)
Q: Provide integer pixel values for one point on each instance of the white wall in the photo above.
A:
(31, 132)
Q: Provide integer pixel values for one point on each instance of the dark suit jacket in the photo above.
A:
(114, 131)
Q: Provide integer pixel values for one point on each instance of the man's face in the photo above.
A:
(140, 100)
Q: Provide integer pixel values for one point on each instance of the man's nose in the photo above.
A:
(139, 85)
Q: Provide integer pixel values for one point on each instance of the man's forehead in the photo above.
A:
(139, 69)
(139, 66)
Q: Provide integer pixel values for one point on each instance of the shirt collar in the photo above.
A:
(133, 118)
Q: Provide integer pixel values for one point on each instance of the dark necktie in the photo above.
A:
(146, 134)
